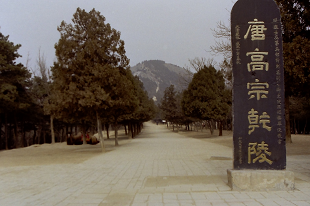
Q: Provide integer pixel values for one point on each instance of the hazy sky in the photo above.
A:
(169, 30)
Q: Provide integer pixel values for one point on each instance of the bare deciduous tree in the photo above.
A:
(195, 65)
(42, 67)
(222, 46)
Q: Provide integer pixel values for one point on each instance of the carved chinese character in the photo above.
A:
(238, 45)
(251, 151)
(264, 119)
(257, 63)
(257, 29)
(259, 89)
(253, 120)
(276, 42)
(260, 151)
(237, 32)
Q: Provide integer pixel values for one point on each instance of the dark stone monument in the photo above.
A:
(258, 98)
(258, 94)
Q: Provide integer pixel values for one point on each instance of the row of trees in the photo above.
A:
(207, 98)
(91, 85)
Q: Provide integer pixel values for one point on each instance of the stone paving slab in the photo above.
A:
(159, 167)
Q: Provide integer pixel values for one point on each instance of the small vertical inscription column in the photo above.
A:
(258, 86)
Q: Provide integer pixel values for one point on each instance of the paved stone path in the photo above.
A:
(159, 168)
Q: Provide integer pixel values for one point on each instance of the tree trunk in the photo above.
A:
(14, 138)
(6, 131)
(52, 129)
(220, 128)
(15, 131)
(129, 130)
(100, 133)
(140, 127)
(298, 127)
(84, 132)
(0, 130)
(24, 142)
(126, 133)
(44, 136)
(62, 134)
(135, 129)
(116, 134)
(305, 126)
(39, 135)
(107, 128)
(66, 133)
(132, 128)
(294, 126)
(288, 136)
(211, 127)
(34, 135)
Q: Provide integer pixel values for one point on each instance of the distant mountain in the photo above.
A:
(157, 75)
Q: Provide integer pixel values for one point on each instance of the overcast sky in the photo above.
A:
(170, 30)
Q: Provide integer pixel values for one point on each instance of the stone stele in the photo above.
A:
(261, 180)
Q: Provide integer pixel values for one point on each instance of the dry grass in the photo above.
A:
(300, 145)
(59, 153)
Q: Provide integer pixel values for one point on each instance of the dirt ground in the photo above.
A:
(61, 153)
(300, 145)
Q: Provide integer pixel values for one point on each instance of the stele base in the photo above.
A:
(261, 180)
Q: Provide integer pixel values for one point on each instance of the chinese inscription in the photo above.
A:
(255, 120)
(258, 89)
(257, 29)
(258, 92)
(238, 60)
(260, 151)
(257, 63)
(278, 81)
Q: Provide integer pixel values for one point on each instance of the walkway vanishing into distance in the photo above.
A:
(159, 168)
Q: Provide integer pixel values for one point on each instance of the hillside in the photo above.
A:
(157, 75)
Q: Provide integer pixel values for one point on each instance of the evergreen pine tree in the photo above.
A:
(206, 97)
(14, 83)
(90, 75)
